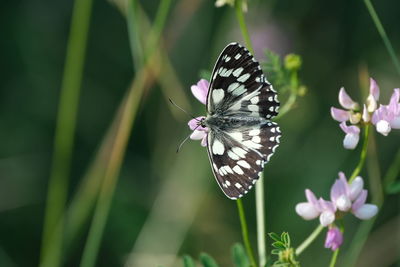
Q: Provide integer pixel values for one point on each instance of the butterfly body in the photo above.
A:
(241, 138)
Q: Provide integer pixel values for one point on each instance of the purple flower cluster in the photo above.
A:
(344, 197)
(385, 118)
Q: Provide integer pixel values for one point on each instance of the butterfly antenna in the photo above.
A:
(184, 141)
(187, 113)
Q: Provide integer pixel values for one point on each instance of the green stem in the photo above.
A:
(382, 33)
(334, 258)
(242, 25)
(309, 240)
(245, 233)
(260, 207)
(64, 136)
(363, 155)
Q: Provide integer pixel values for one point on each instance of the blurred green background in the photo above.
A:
(167, 204)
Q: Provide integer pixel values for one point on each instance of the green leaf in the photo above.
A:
(274, 236)
(279, 245)
(275, 251)
(207, 260)
(239, 256)
(188, 261)
(286, 239)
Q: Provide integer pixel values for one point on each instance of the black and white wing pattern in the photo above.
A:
(240, 104)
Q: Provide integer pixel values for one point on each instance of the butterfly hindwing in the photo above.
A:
(238, 156)
(239, 87)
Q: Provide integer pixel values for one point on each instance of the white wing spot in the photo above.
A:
(239, 151)
(239, 90)
(238, 185)
(237, 136)
(269, 157)
(270, 99)
(244, 164)
(227, 183)
(271, 108)
(251, 144)
(217, 95)
(256, 139)
(258, 162)
(273, 130)
(244, 77)
(237, 72)
(238, 55)
(253, 108)
(228, 169)
(233, 86)
(272, 138)
(254, 100)
(236, 106)
(232, 155)
(227, 59)
(254, 132)
(218, 148)
(225, 72)
(277, 138)
(237, 169)
(274, 148)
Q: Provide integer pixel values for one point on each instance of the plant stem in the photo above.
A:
(64, 136)
(260, 207)
(363, 155)
(382, 33)
(245, 233)
(334, 258)
(309, 240)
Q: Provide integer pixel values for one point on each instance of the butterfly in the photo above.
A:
(241, 136)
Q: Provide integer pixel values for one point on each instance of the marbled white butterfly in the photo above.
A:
(241, 137)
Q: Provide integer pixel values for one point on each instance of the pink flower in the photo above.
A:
(314, 208)
(352, 137)
(352, 113)
(387, 117)
(334, 238)
(200, 91)
(345, 197)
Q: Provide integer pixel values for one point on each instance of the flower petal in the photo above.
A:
(200, 90)
(372, 105)
(311, 198)
(307, 211)
(194, 123)
(340, 114)
(356, 187)
(198, 135)
(349, 129)
(204, 141)
(326, 218)
(374, 89)
(365, 116)
(343, 203)
(346, 101)
(362, 197)
(334, 238)
(383, 127)
(350, 141)
(395, 123)
(366, 211)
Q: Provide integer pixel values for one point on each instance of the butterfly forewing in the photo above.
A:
(239, 87)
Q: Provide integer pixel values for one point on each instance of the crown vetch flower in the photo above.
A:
(334, 238)
(200, 91)
(355, 116)
(387, 117)
(344, 197)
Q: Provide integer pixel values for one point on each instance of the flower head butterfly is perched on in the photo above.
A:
(237, 130)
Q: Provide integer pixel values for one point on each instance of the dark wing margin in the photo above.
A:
(238, 157)
(239, 87)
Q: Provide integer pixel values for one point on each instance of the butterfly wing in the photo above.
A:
(238, 86)
(238, 156)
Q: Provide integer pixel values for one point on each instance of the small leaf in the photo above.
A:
(207, 260)
(239, 256)
(275, 251)
(274, 236)
(279, 244)
(286, 239)
(188, 261)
